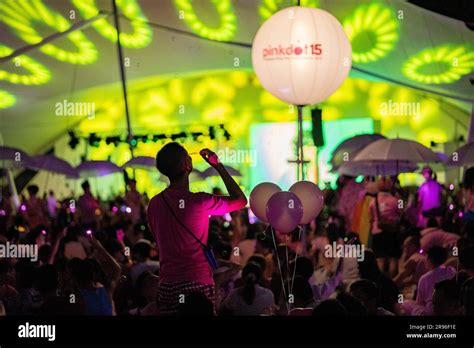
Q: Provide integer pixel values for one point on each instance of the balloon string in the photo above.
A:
(294, 264)
(286, 274)
(279, 264)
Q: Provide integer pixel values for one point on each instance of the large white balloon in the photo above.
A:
(259, 198)
(301, 55)
(311, 197)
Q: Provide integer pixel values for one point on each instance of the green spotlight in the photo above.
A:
(228, 25)
(269, 7)
(441, 64)
(22, 16)
(142, 33)
(7, 100)
(39, 73)
(373, 32)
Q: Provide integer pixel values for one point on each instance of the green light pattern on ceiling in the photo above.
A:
(228, 26)
(373, 32)
(7, 100)
(142, 33)
(269, 7)
(441, 64)
(22, 16)
(39, 73)
(164, 104)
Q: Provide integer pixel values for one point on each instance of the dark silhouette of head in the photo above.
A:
(304, 267)
(174, 161)
(32, 190)
(447, 298)
(302, 292)
(86, 187)
(251, 275)
(366, 291)
(141, 251)
(437, 255)
(368, 267)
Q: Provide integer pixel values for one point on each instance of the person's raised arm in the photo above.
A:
(237, 197)
(55, 248)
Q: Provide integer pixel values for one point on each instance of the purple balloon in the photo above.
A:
(284, 211)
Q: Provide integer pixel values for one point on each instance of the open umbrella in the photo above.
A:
(52, 164)
(11, 157)
(212, 172)
(375, 168)
(464, 156)
(396, 150)
(141, 162)
(88, 169)
(350, 147)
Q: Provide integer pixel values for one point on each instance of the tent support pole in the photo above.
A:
(123, 78)
(300, 175)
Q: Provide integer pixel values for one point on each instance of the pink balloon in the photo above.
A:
(284, 211)
(311, 197)
(259, 198)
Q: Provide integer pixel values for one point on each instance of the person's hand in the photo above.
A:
(210, 157)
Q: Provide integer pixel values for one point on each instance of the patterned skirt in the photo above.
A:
(172, 295)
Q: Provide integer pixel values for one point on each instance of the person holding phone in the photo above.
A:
(179, 221)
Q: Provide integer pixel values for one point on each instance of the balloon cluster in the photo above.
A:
(285, 210)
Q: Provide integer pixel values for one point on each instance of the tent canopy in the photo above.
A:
(189, 63)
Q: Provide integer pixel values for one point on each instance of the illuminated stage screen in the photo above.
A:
(275, 145)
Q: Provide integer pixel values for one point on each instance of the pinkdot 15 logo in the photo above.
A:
(293, 51)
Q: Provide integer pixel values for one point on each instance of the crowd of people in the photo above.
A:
(185, 253)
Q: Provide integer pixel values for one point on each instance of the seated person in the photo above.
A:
(366, 291)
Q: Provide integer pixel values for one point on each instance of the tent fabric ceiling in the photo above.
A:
(392, 39)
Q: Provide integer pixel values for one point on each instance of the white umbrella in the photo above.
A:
(350, 147)
(396, 150)
(375, 168)
(88, 169)
(52, 164)
(11, 157)
(141, 162)
(464, 156)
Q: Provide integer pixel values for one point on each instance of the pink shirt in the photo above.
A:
(181, 256)
(430, 195)
(388, 208)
